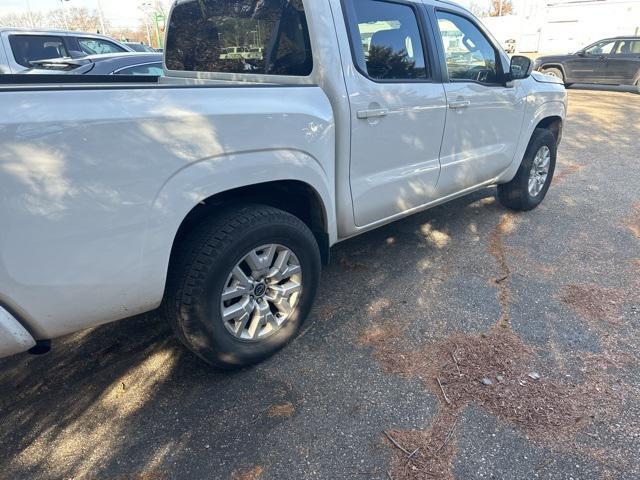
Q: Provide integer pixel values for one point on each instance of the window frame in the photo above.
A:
(500, 67)
(357, 56)
(26, 35)
(601, 42)
(247, 76)
(624, 55)
(97, 39)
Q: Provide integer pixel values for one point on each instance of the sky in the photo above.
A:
(120, 13)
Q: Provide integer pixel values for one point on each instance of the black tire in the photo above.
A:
(556, 72)
(515, 194)
(201, 266)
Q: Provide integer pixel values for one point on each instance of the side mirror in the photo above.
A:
(582, 53)
(521, 67)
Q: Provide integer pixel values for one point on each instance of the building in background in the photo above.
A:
(563, 26)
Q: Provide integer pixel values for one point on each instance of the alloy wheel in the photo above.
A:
(261, 293)
(539, 171)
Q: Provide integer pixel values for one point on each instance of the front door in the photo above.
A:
(590, 65)
(397, 113)
(484, 117)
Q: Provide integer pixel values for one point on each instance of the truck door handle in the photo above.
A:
(378, 112)
(460, 104)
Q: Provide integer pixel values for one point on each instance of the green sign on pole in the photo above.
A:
(159, 19)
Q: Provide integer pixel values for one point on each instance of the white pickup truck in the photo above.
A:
(218, 192)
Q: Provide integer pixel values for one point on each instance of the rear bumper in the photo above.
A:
(13, 337)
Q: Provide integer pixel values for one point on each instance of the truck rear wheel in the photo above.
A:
(530, 185)
(242, 284)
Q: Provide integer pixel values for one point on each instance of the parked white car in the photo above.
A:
(218, 192)
(19, 47)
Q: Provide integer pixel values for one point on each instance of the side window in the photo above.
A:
(153, 69)
(95, 46)
(469, 54)
(389, 37)
(601, 48)
(628, 47)
(30, 48)
(231, 36)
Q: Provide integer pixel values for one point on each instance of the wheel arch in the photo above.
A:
(289, 179)
(554, 123)
(549, 114)
(559, 66)
(293, 196)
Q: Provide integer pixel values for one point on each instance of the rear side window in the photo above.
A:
(153, 69)
(389, 37)
(240, 36)
(96, 46)
(628, 47)
(30, 48)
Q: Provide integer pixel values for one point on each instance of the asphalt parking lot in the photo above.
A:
(465, 342)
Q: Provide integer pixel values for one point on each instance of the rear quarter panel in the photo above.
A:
(95, 184)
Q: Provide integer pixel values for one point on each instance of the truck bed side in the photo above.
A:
(95, 184)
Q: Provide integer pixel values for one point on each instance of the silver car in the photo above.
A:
(149, 64)
(20, 47)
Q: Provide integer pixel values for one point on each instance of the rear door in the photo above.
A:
(398, 108)
(623, 65)
(484, 117)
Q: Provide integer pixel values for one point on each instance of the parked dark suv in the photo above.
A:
(614, 61)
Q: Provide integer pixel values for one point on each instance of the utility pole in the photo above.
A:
(32, 21)
(500, 9)
(145, 8)
(64, 14)
(101, 15)
(146, 24)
